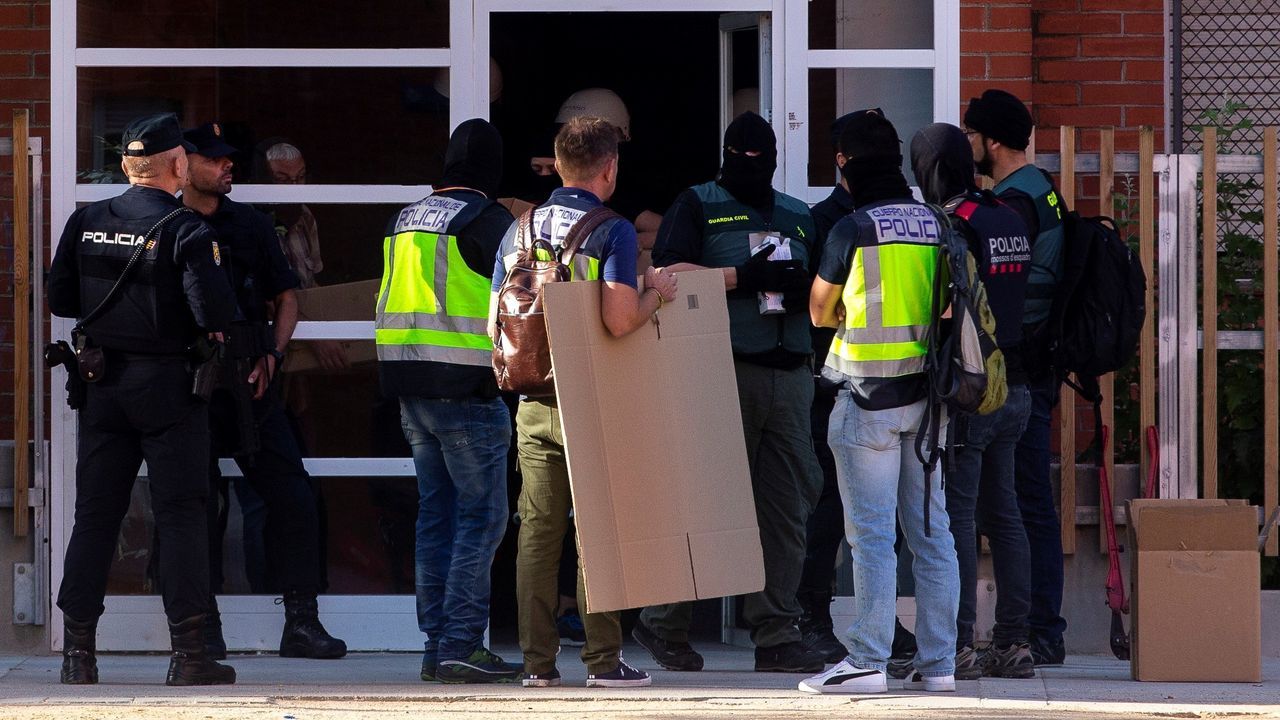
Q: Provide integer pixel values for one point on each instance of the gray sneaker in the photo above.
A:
(1011, 661)
(968, 663)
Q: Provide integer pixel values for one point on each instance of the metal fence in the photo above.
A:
(1225, 50)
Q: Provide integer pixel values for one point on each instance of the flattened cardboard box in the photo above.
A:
(1196, 598)
(657, 462)
(345, 301)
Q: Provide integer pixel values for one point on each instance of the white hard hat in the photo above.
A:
(441, 83)
(599, 102)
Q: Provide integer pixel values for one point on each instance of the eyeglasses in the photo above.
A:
(971, 133)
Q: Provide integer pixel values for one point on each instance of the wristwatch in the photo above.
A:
(279, 356)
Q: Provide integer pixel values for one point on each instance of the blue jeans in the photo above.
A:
(981, 498)
(460, 456)
(879, 476)
(1039, 516)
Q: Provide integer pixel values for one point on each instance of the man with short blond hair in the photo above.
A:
(587, 158)
(141, 274)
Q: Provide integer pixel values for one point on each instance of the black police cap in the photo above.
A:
(208, 141)
(153, 134)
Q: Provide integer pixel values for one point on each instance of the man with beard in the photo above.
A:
(265, 291)
(980, 494)
(741, 224)
(999, 129)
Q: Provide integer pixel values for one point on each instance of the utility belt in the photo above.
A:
(86, 362)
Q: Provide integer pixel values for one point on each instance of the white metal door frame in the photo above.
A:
(469, 40)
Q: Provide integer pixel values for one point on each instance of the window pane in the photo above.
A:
(352, 125)
(870, 24)
(278, 23)
(905, 96)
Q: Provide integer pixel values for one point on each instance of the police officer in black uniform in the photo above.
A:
(247, 416)
(136, 356)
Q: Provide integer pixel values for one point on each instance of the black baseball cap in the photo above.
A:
(208, 141)
(153, 134)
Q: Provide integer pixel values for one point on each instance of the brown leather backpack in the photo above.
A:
(521, 351)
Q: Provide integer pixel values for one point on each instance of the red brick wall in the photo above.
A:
(1087, 63)
(24, 83)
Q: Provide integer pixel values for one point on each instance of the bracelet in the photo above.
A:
(661, 301)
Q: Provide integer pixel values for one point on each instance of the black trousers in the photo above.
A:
(277, 475)
(142, 409)
(825, 529)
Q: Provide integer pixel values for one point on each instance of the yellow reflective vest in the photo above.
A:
(889, 293)
(431, 306)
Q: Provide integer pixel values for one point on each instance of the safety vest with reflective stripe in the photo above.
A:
(552, 223)
(888, 295)
(432, 306)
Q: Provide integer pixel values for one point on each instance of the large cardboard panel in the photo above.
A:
(657, 462)
(345, 301)
(1195, 601)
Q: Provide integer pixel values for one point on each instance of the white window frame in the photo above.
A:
(943, 60)
(469, 40)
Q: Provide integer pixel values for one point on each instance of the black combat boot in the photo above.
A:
(304, 636)
(816, 630)
(189, 664)
(215, 647)
(79, 647)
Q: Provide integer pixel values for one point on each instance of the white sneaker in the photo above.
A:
(946, 683)
(846, 678)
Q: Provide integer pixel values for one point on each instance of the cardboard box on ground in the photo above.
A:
(345, 301)
(1196, 596)
(657, 462)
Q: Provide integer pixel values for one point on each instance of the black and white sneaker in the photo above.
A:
(622, 676)
(546, 679)
(846, 678)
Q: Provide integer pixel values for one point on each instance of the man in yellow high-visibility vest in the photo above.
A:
(875, 287)
(434, 355)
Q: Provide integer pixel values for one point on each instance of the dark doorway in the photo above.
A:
(664, 66)
(666, 69)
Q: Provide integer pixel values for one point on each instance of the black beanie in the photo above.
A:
(837, 127)
(874, 167)
(868, 135)
(1002, 117)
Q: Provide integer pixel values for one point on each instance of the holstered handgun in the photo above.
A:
(243, 346)
(208, 357)
(60, 354)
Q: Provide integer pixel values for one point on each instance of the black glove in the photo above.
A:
(759, 274)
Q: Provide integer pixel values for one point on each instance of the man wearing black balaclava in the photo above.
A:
(980, 487)
(762, 240)
(875, 288)
(433, 354)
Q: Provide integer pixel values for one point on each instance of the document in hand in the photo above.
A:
(657, 462)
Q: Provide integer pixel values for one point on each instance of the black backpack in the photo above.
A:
(1099, 305)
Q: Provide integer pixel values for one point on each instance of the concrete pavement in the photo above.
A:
(386, 686)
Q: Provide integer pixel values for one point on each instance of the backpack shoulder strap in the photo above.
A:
(582, 229)
(524, 232)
